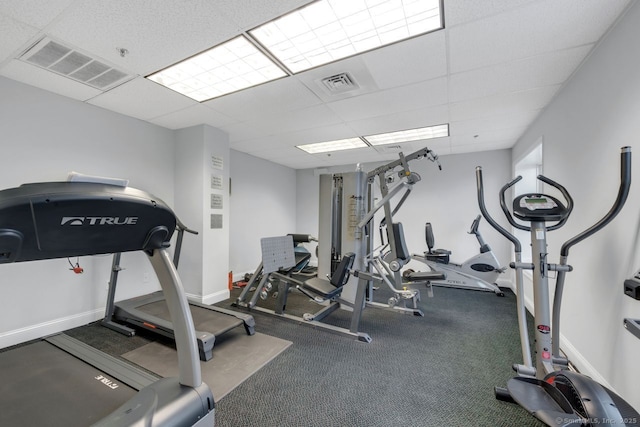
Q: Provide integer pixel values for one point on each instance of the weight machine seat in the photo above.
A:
(437, 255)
(328, 289)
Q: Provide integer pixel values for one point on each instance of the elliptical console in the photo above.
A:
(539, 207)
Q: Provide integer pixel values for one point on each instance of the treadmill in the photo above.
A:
(150, 312)
(61, 381)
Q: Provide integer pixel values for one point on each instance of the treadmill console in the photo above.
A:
(539, 207)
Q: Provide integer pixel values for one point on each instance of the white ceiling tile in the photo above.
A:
(440, 146)
(142, 99)
(278, 96)
(261, 11)
(542, 70)
(35, 13)
(513, 119)
(35, 76)
(305, 118)
(457, 12)
(317, 134)
(509, 36)
(241, 131)
(502, 104)
(406, 98)
(157, 33)
(358, 155)
(414, 60)
(15, 36)
(192, 116)
(473, 148)
(401, 121)
(487, 137)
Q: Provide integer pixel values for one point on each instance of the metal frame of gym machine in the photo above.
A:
(39, 222)
(342, 229)
(130, 311)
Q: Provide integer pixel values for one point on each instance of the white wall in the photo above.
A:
(594, 115)
(204, 262)
(263, 204)
(45, 136)
(446, 198)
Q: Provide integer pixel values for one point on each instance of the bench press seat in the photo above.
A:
(328, 289)
(321, 287)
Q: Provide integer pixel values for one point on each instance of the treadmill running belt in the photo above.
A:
(45, 386)
(203, 319)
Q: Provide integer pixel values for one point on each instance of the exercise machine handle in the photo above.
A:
(474, 225)
(505, 209)
(566, 196)
(181, 227)
(485, 213)
(623, 193)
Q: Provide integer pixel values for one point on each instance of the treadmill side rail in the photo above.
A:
(165, 403)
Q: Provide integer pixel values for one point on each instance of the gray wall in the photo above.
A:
(263, 204)
(583, 129)
(44, 137)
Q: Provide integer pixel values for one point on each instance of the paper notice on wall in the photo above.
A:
(217, 162)
(216, 182)
(216, 201)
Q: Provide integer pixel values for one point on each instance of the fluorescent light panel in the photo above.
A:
(329, 30)
(418, 134)
(229, 67)
(408, 135)
(341, 144)
(321, 32)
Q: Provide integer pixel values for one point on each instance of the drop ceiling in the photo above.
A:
(488, 74)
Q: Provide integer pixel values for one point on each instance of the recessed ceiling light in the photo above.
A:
(329, 30)
(408, 135)
(226, 68)
(341, 144)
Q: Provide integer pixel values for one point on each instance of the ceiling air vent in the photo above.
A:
(69, 62)
(340, 83)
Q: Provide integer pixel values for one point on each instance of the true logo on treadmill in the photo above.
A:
(98, 220)
(106, 381)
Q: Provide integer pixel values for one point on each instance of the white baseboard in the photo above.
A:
(32, 332)
(211, 298)
(239, 277)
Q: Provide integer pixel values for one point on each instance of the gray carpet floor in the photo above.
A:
(436, 370)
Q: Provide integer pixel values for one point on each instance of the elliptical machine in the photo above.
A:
(548, 390)
(479, 272)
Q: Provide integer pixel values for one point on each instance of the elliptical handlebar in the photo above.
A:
(566, 196)
(485, 213)
(623, 193)
(505, 209)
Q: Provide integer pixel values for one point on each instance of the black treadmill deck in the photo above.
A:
(43, 385)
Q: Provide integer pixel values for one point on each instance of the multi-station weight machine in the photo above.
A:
(346, 215)
(348, 266)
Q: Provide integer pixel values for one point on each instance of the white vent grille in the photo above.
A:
(69, 62)
(340, 83)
